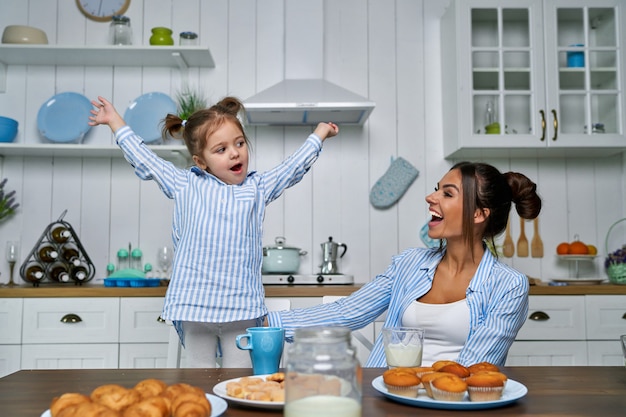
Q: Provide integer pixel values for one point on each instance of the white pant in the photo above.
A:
(203, 341)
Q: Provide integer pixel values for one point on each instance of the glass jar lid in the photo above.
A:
(188, 35)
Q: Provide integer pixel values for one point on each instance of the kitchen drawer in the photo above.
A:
(605, 353)
(606, 316)
(70, 356)
(563, 318)
(9, 359)
(47, 320)
(140, 320)
(143, 355)
(556, 353)
(11, 319)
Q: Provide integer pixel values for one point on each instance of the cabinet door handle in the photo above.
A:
(160, 319)
(71, 318)
(539, 316)
(624, 316)
(556, 124)
(543, 125)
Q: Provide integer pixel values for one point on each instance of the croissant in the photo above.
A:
(149, 407)
(115, 396)
(66, 400)
(89, 409)
(150, 387)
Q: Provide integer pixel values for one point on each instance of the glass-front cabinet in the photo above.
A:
(533, 78)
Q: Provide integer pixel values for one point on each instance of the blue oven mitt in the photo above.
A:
(393, 184)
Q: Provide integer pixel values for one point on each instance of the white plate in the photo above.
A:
(218, 406)
(580, 281)
(513, 391)
(576, 257)
(64, 118)
(145, 114)
(220, 390)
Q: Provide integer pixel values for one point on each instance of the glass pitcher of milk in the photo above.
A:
(323, 374)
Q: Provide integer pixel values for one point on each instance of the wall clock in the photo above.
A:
(102, 10)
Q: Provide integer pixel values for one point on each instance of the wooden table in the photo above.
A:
(552, 391)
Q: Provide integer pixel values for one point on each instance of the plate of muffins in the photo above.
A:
(451, 386)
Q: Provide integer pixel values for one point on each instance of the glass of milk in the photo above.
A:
(403, 346)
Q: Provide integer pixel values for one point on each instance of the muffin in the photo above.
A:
(421, 370)
(402, 381)
(428, 378)
(440, 364)
(484, 386)
(498, 375)
(456, 369)
(449, 388)
(483, 366)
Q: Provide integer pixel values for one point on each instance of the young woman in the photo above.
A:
(470, 304)
(215, 290)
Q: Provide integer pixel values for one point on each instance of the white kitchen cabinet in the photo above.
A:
(11, 335)
(551, 71)
(70, 333)
(143, 355)
(554, 333)
(70, 356)
(606, 321)
(548, 353)
(143, 333)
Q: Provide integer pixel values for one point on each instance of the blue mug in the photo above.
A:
(266, 348)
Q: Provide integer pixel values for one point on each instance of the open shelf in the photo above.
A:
(81, 150)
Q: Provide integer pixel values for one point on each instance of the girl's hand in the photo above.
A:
(105, 114)
(326, 130)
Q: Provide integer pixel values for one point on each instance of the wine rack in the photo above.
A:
(58, 257)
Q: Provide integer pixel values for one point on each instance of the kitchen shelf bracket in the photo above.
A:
(3, 77)
(182, 65)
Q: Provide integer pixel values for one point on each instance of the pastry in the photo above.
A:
(149, 407)
(190, 404)
(449, 388)
(115, 396)
(150, 387)
(427, 379)
(66, 400)
(483, 366)
(440, 364)
(485, 386)
(89, 409)
(456, 369)
(402, 381)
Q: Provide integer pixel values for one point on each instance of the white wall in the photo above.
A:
(385, 50)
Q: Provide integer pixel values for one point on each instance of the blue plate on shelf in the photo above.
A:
(64, 118)
(145, 114)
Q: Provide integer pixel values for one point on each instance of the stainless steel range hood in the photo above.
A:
(307, 102)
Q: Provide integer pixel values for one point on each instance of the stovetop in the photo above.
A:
(317, 279)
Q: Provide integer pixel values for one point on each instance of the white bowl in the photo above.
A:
(24, 34)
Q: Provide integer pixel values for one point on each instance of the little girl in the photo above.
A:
(215, 290)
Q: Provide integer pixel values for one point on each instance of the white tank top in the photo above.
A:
(446, 327)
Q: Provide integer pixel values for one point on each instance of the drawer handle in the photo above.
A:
(624, 316)
(71, 318)
(160, 319)
(539, 316)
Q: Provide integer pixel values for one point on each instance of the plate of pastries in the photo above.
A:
(450, 385)
(257, 391)
(148, 398)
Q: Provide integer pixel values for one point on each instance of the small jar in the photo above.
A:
(120, 32)
(123, 260)
(324, 375)
(188, 39)
(161, 36)
(135, 259)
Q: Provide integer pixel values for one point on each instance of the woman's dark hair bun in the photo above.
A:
(524, 195)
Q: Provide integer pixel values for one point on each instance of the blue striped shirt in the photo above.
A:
(497, 297)
(217, 231)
